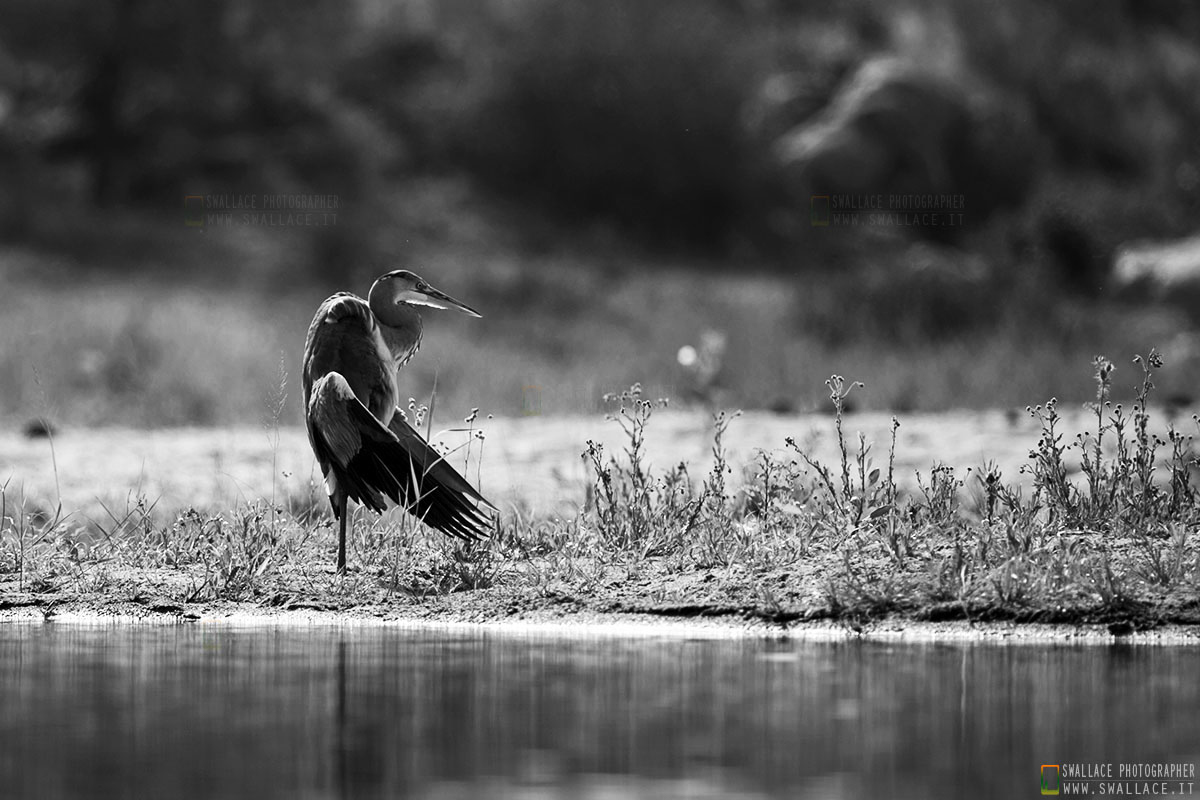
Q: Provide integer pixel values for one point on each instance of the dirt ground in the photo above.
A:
(651, 601)
(565, 617)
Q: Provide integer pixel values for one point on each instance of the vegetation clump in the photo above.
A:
(1099, 528)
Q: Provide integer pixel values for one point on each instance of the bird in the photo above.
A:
(366, 447)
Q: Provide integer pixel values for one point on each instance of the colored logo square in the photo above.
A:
(1051, 779)
(819, 211)
(193, 210)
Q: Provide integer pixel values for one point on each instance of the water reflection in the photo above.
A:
(207, 711)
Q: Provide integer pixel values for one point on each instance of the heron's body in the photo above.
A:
(345, 337)
(367, 450)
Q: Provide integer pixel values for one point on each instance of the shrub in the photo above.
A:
(626, 111)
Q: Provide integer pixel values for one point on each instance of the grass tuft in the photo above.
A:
(1097, 527)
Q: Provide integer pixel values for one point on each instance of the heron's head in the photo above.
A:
(403, 288)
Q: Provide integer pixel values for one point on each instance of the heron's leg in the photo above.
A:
(341, 557)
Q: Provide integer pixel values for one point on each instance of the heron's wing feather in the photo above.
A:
(436, 492)
(370, 462)
(431, 462)
(340, 428)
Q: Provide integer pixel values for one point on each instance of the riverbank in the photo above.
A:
(859, 532)
(564, 616)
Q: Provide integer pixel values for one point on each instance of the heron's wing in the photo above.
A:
(345, 438)
(345, 337)
(370, 462)
(325, 333)
(442, 494)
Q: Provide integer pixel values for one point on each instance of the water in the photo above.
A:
(196, 711)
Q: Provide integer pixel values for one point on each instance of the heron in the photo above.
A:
(366, 447)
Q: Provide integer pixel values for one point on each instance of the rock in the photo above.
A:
(1159, 267)
(1121, 628)
(39, 428)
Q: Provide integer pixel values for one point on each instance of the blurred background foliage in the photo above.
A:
(608, 182)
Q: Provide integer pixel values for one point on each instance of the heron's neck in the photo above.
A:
(400, 326)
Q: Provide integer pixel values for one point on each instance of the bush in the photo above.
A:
(925, 293)
(626, 111)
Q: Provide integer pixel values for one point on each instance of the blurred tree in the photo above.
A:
(154, 99)
(155, 93)
(623, 111)
(655, 119)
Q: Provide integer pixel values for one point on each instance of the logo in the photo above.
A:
(210, 211)
(193, 210)
(819, 211)
(1051, 779)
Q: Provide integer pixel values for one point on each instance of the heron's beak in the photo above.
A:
(435, 299)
